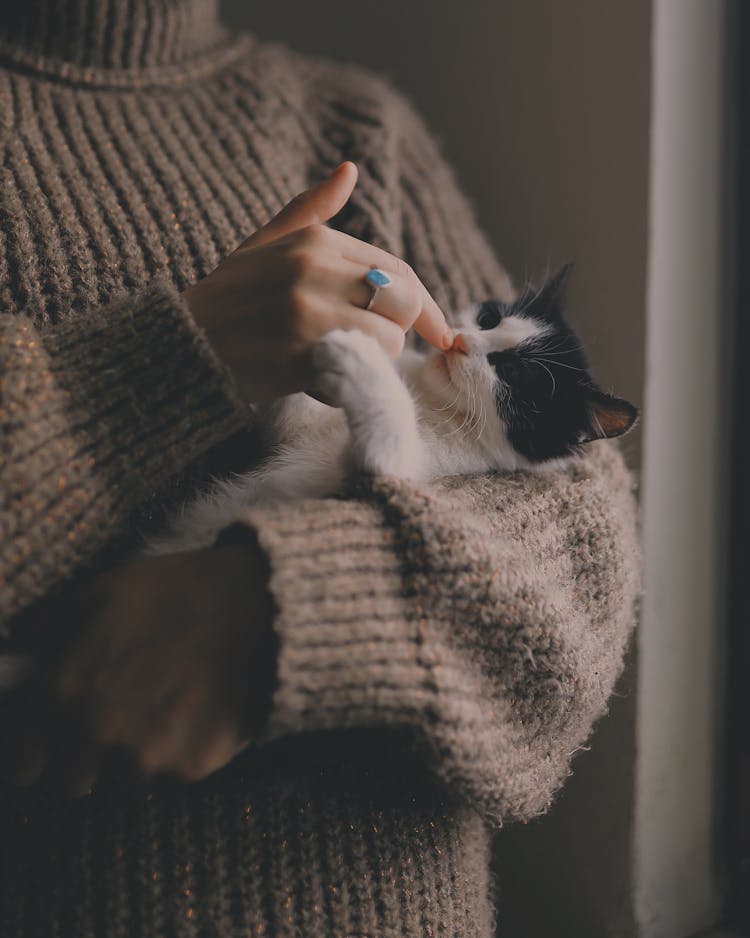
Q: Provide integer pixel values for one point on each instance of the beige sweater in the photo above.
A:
(443, 650)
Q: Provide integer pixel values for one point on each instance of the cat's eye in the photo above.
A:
(488, 316)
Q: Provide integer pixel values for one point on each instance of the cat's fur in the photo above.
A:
(515, 393)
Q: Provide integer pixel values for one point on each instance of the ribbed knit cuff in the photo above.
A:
(144, 385)
(350, 650)
(100, 410)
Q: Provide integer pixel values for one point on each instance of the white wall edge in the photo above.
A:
(684, 469)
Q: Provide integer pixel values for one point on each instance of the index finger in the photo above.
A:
(430, 323)
(314, 206)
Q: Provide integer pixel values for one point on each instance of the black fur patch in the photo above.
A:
(546, 395)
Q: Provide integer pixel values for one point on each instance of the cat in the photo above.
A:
(515, 392)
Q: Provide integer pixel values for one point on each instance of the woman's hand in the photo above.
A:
(172, 668)
(294, 280)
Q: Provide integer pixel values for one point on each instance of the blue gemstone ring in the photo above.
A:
(377, 279)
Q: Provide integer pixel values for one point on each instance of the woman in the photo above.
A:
(414, 666)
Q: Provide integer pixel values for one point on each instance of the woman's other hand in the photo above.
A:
(294, 280)
(172, 668)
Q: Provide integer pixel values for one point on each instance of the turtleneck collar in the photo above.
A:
(111, 34)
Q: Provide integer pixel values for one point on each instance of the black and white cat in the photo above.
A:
(515, 392)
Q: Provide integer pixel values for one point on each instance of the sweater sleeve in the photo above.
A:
(487, 615)
(96, 413)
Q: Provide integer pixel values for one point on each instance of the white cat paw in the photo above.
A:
(340, 345)
(343, 358)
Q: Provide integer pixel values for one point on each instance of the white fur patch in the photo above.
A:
(512, 331)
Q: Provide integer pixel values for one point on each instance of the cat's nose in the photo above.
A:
(460, 344)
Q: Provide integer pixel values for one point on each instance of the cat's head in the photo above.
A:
(518, 377)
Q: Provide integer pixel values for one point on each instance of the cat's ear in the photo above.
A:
(549, 302)
(608, 416)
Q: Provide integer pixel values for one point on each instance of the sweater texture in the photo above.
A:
(444, 649)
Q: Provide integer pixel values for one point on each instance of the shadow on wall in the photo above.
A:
(543, 110)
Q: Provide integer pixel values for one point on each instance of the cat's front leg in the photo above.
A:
(354, 373)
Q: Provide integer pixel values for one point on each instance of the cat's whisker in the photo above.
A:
(452, 403)
(447, 421)
(562, 365)
(559, 350)
(481, 422)
(529, 295)
(538, 361)
(460, 428)
(479, 415)
(484, 418)
(467, 415)
(474, 403)
(561, 346)
(452, 432)
(598, 425)
(451, 409)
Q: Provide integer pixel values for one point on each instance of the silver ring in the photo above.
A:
(378, 280)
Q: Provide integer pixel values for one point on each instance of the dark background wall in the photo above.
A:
(543, 109)
(735, 816)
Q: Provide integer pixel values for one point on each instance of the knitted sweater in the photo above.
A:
(443, 649)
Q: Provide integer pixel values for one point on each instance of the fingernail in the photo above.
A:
(447, 339)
